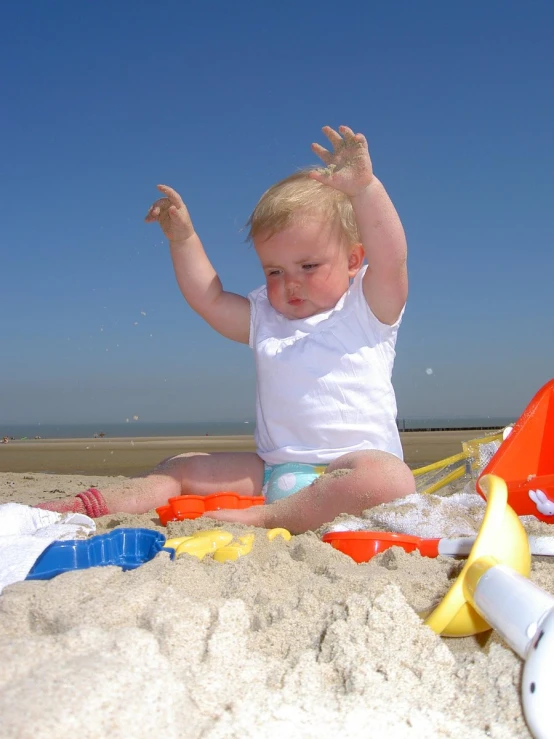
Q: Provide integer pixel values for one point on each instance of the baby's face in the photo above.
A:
(307, 268)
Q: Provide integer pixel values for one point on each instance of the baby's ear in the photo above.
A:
(355, 259)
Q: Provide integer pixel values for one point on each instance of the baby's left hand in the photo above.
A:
(349, 167)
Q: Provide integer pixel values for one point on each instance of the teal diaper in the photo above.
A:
(282, 480)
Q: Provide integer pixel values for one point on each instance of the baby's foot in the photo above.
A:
(64, 505)
(254, 516)
(91, 502)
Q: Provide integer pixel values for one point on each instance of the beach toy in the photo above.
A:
(363, 545)
(183, 507)
(244, 546)
(283, 533)
(525, 459)
(201, 543)
(125, 548)
(523, 614)
(219, 543)
(475, 454)
(233, 551)
(503, 540)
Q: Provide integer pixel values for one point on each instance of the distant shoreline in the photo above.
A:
(136, 455)
(453, 428)
(138, 438)
(147, 429)
(167, 437)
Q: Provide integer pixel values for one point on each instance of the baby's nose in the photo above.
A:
(291, 282)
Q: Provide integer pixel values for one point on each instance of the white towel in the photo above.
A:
(25, 532)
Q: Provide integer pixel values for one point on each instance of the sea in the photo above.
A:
(139, 429)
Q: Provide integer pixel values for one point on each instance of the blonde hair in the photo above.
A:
(297, 197)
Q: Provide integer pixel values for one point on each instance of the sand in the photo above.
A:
(294, 638)
(132, 456)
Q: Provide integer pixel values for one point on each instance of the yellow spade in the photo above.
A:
(201, 543)
(218, 543)
(502, 540)
(232, 552)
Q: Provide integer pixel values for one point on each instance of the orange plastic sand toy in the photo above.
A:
(363, 545)
(525, 459)
(194, 506)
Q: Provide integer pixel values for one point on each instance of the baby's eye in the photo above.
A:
(308, 267)
(273, 272)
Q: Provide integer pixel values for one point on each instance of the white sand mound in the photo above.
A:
(294, 638)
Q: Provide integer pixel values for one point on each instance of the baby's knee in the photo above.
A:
(403, 479)
(380, 471)
(395, 474)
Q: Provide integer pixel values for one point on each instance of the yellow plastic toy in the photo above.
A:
(218, 543)
(201, 543)
(470, 461)
(232, 552)
(501, 540)
(273, 533)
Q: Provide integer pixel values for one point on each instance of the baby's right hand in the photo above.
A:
(172, 215)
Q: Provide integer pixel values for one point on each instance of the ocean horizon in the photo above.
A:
(138, 429)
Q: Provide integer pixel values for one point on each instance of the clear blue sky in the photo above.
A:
(103, 100)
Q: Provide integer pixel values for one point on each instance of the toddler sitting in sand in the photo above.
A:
(323, 330)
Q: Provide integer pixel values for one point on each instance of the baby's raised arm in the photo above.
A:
(349, 169)
(226, 312)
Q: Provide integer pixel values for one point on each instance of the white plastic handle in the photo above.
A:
(512, 605)
(536, 683)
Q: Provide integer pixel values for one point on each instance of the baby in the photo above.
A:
(323, 330)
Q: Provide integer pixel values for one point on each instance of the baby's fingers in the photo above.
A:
(322, 153)
(155, 210)
(348, 134)
(172, 195)
(334, 137)
(352, 138)
(345, 137)
(152, 214)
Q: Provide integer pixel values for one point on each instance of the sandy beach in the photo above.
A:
(294, 638)
(131, 456)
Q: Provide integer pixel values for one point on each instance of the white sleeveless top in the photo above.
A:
(324, 382)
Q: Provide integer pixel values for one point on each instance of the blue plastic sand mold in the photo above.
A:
(125, 548)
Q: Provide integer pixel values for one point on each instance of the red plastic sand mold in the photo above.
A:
(525, 459)
(194, 506)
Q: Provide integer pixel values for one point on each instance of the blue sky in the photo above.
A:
(101, 101)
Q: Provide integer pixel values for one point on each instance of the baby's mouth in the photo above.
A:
(295, 301)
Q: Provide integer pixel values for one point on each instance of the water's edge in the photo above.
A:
(137, 429)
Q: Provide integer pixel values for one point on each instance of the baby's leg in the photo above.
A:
(197, 474)
(352, 483)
